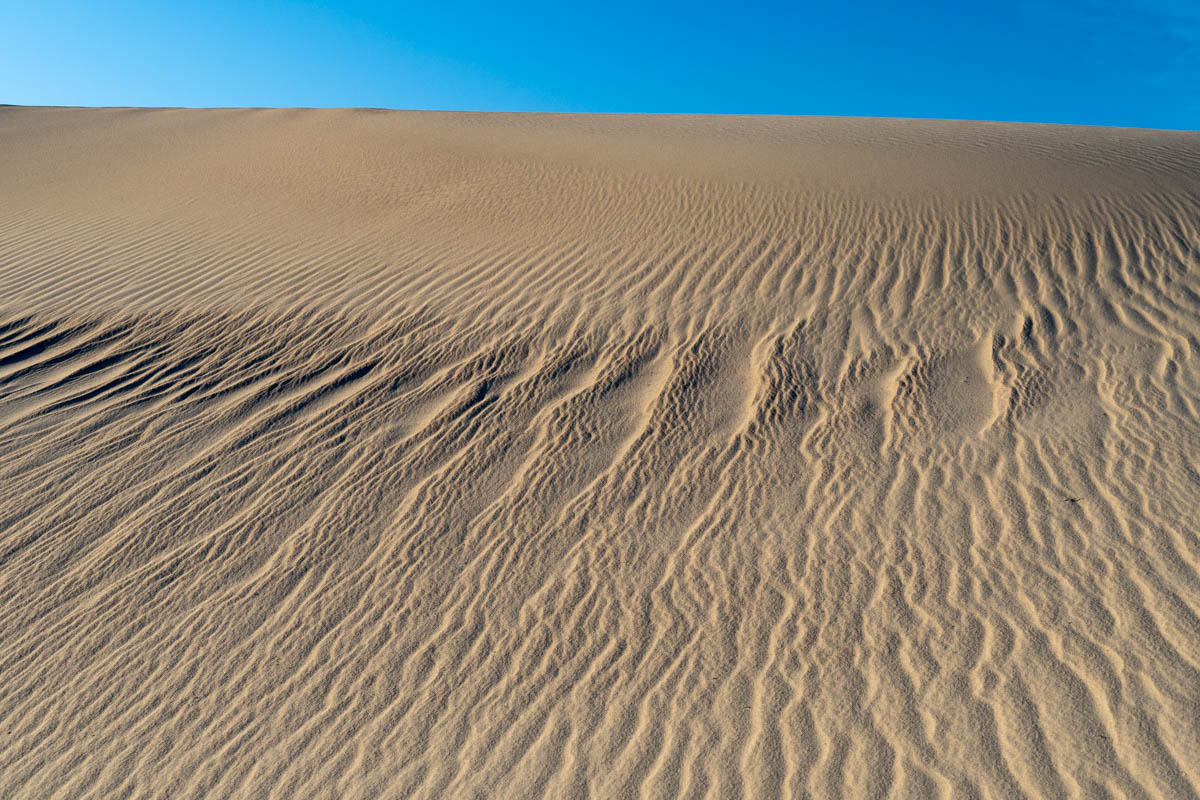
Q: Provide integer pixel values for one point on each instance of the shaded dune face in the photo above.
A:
(393, 454)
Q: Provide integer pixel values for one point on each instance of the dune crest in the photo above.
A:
(403, 454)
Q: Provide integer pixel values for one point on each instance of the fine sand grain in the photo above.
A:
(399, 454)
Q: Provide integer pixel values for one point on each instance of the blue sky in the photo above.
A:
(1101, 62)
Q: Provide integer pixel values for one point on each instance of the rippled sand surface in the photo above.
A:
(395, 454)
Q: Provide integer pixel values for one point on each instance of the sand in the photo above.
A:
(399, 454)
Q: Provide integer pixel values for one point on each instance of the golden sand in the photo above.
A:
(396, 454)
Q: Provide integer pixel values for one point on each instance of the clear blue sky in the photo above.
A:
(1102, 62)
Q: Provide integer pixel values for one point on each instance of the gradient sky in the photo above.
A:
(1100, 62)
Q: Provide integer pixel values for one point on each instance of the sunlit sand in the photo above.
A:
(398, 454)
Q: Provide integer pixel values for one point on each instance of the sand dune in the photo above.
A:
(398, 454)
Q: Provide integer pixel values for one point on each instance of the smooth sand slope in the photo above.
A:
(393, 454)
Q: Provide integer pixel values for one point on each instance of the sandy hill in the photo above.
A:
(396, 454)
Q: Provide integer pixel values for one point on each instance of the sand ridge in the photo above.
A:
(391, 454)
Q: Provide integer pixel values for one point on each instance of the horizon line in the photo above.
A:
(528, 112)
